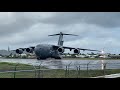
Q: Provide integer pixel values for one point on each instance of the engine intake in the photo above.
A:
(61, 50)
(76, 51)
(30, 50)
(19, 51)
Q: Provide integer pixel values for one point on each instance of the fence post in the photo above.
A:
(88, 69)
(66, 71)
(35, 70)
(69, 69)
(39, 70)
(104, 68)
(15, 70)
(79, 71)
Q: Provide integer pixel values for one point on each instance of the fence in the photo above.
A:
(67, 71)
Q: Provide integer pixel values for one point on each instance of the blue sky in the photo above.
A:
(96, 30)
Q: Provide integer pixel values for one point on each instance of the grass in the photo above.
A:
(58, 73)
(76, 74)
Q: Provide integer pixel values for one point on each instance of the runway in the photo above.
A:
(61, 64)
(109, 76)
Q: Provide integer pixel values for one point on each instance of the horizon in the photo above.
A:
(96, 30)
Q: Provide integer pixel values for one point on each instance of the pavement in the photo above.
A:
(109, 76)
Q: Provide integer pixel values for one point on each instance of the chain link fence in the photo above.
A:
(69, 71)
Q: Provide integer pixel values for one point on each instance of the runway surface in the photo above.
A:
(61, 64)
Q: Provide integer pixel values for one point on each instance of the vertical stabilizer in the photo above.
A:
(60, 41)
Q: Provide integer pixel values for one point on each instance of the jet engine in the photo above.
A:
(19, 51)
(30, 50)
(76, 51)
(60, 49)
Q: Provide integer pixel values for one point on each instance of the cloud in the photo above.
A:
(95, 29)
(104, 19)
(11, 23)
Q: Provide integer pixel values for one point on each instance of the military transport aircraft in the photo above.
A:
(44, 51)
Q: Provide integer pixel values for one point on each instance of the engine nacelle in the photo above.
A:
(30, 50)
(19, 51)
(76, 51)
(60, 49)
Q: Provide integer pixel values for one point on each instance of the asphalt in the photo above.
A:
(109, 76)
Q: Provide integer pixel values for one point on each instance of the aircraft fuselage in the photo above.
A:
(44, 51)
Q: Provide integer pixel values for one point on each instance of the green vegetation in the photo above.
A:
(76, 74)
(58, 73)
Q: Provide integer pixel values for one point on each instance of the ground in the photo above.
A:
(46, 73)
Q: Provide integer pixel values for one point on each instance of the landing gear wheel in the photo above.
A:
(38, 58)
(58, 58)
(41, 58)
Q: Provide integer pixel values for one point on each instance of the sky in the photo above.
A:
(95, 30)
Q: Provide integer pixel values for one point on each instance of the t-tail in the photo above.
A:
(60, 41)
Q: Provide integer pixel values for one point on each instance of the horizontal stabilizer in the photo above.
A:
(70, 34)
(54, 35)
(62, 34)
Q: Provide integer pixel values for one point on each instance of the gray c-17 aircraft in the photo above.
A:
(44, 51)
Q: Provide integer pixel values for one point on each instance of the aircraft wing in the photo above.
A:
(79, 49)
(55, 46)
